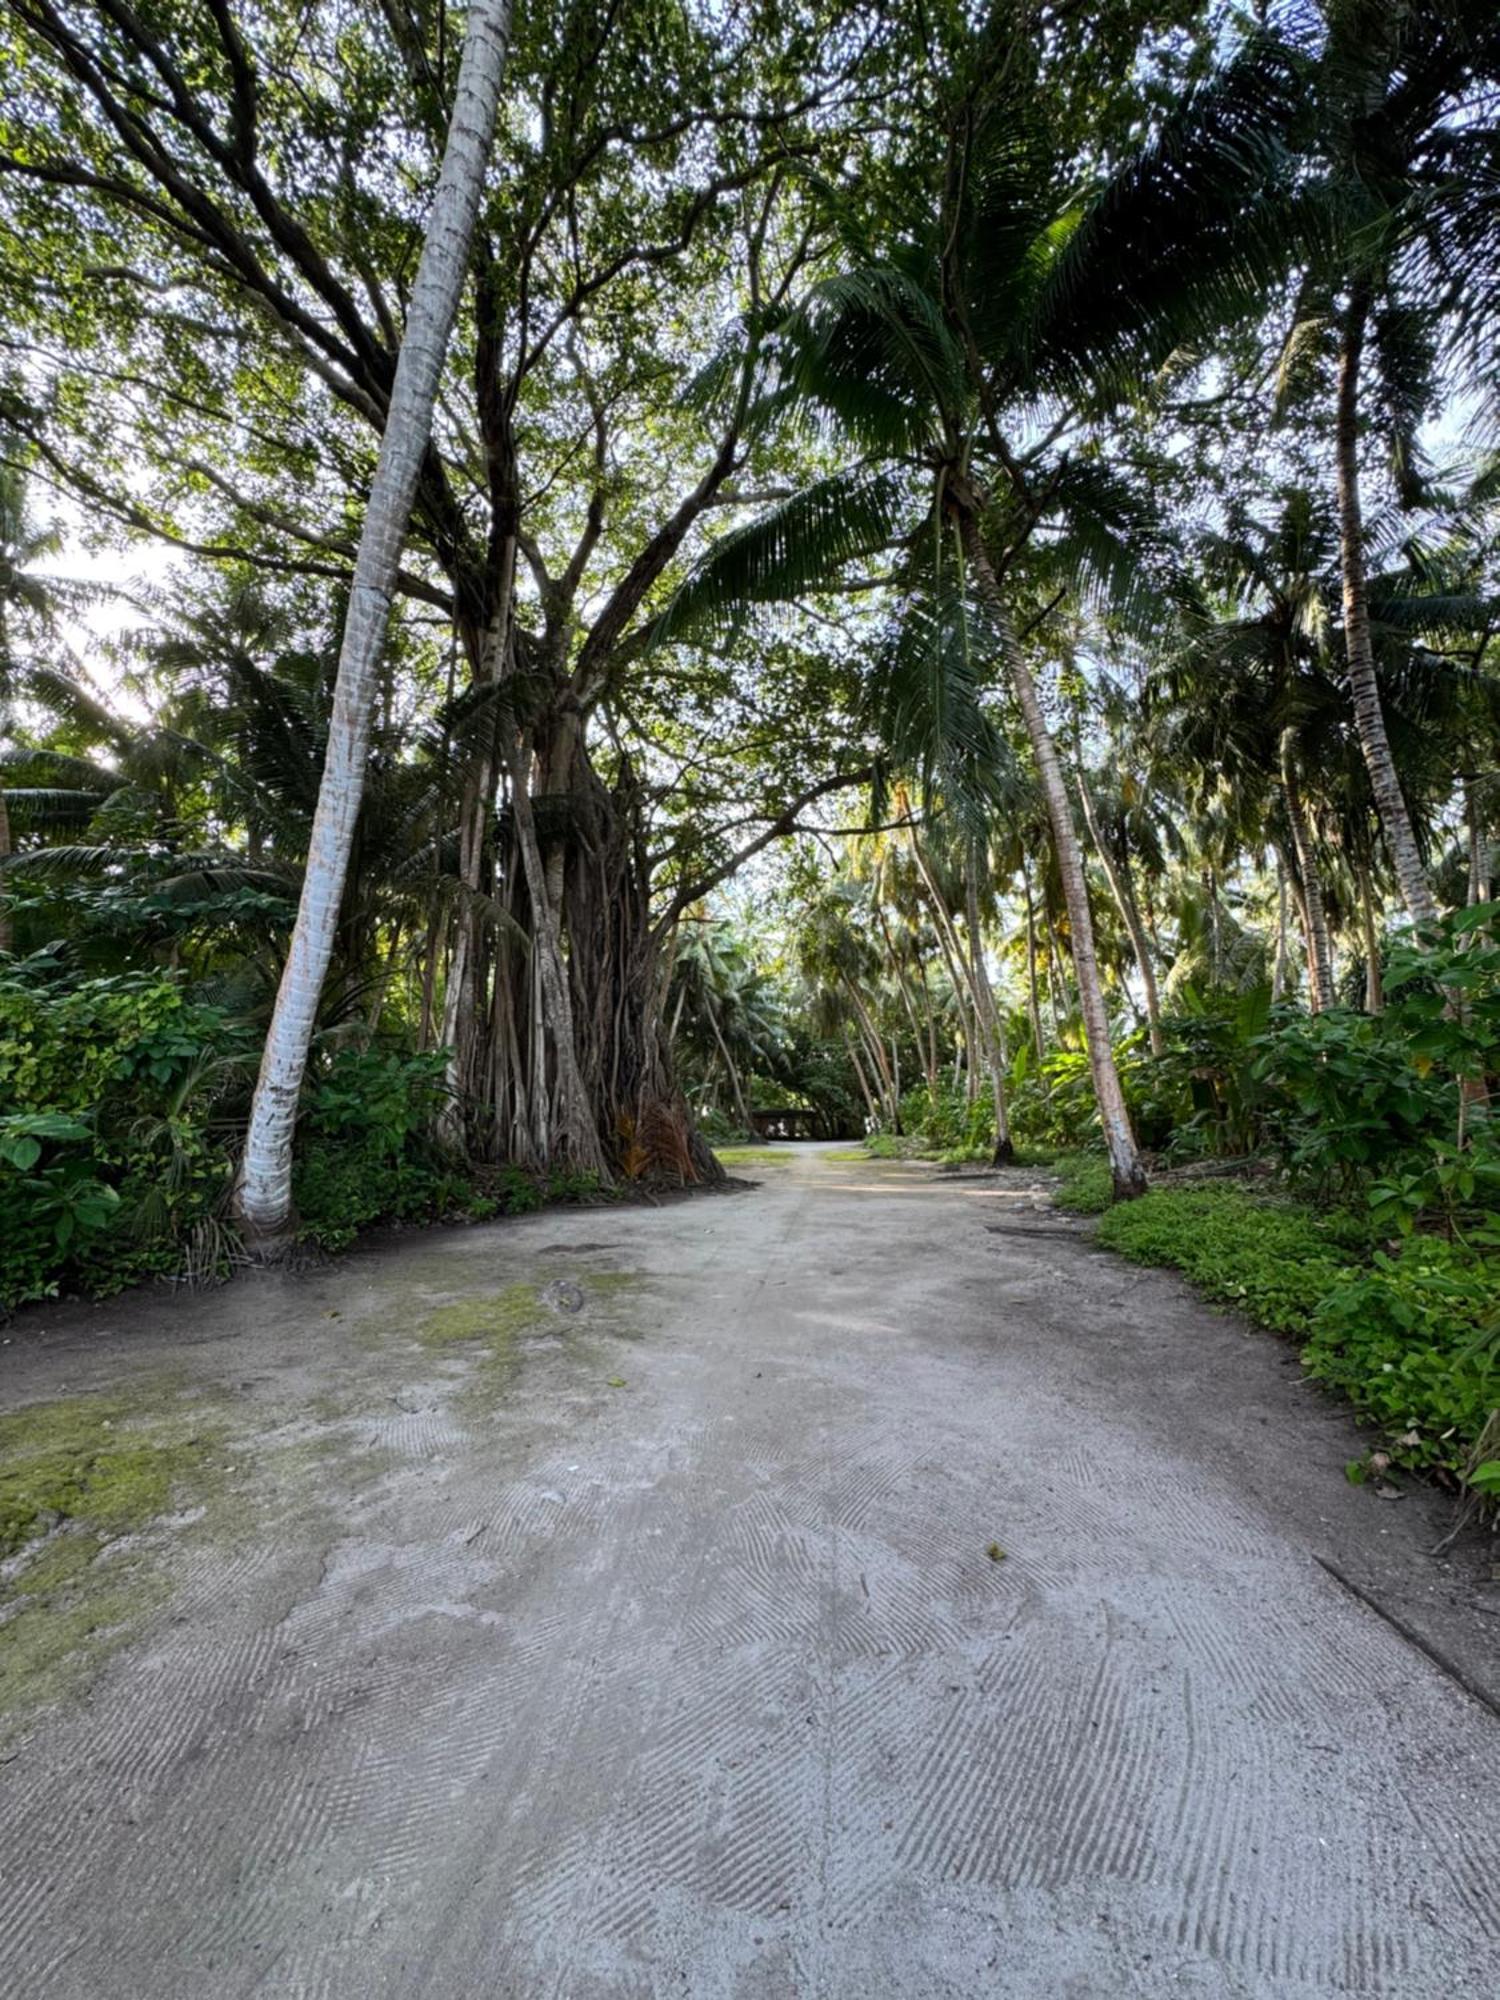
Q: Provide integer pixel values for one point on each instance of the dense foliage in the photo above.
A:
(952, 588)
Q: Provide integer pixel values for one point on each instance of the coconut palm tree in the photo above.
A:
(1404, 111)
(1248, 706)
(932, 352)
(263, 1195)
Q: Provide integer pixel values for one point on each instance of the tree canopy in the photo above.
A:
(950, 543)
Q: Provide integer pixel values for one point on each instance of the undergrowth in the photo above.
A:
(1411, 1336)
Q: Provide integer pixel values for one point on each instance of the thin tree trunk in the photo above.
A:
(1055, 994)
(953, 958)
(1479, 859)
(264, 1192)
(382, 990)
(1374, 993)
(741, 1108)
(990, 1023)
(876, 1050)
(904, 990)
(7, 935)
(1119, 1137)
(436, 925)
(932, 1061)
(1033, 997)
(1319, 948)
(952, 953)
(1278, 964)
(1369, 719)
(1215, 928)
(859, 1072)
(1129, 914)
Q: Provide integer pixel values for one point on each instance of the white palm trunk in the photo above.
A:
(1130, 916)
(1364, 690)
(1128, 1174)
(5, 849)
(263, 1197)
(991, 1025)
(1320, 988)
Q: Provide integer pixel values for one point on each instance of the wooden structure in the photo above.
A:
(789, 1123)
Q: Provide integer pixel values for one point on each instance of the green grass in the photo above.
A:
(1086, 1186)
(752, 1156)
(1411, 1339)
(1273, 1258)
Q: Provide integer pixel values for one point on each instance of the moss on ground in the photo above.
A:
(498, 1319)
(613, 1284)
(77, 1476)
(53, 1644)
(104, 1463)
(85, 1480)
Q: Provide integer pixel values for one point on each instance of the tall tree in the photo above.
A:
(962, 317)
(263, 1197)
(1393, 82)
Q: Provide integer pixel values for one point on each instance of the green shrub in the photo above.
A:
(109, 1154)
(1052, 1103)
(363, 1151)
(1414, 1342)
(1412, 1339)
(888, 1146)
(1356, 1098)
(720, 1129)
(1272, 1258)
(945, 1121)
(1346, 1095)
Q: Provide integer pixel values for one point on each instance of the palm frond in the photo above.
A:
(871, 350)
(797, 546)
(51, 805)
(1122, 293)
(926, 695)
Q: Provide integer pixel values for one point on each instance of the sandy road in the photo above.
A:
(651, 1642)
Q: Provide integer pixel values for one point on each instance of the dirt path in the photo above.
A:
(609, 1605)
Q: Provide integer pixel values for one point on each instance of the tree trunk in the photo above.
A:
(1033, 997)
(904, 989)
(742, 1109)
(1119, 1137)
(578, 1134)
(7, 936)
(1319, 948)
(989, 1019)
(876, 1051)
(953, 958)
(1369, 720)
(264, 1194)
(859, 1072)
(1056, 997)
(1479, 846)
(1374, 993)
(1129, 914)
(931, 1060)
(1278, 964)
